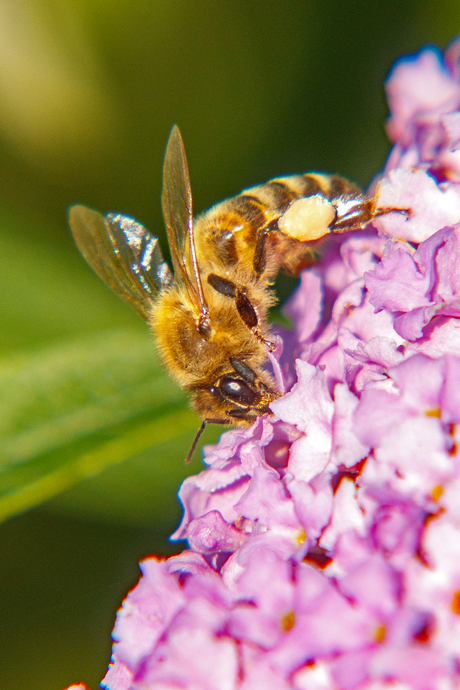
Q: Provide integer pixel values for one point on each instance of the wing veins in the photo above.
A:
(177, 211)
(111, 252)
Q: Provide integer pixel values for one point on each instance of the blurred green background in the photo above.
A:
(91, 431)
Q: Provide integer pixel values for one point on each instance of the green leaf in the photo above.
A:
(69, 411)
(49, 292)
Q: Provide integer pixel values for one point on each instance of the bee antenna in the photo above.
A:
(189, 457)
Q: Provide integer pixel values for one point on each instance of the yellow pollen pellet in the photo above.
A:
(308, 219)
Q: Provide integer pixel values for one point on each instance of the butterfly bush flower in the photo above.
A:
(324, 542)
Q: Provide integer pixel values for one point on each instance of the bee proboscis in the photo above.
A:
(210, 317)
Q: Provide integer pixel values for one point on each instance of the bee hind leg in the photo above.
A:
(352, 214)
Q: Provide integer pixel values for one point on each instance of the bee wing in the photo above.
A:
(176, 201)
(123, 253)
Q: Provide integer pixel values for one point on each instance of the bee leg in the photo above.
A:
(260, 253)
(243, 305)
(244, 370)
(223, 422)
(250, 376)
(382, 211)
(242, 414)
(189, 457)
(352, 214)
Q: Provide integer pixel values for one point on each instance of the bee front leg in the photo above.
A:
(243, 305)
(243, 415)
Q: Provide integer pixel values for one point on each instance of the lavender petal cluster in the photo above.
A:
(324, 542)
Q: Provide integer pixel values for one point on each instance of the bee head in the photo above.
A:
(237, 396)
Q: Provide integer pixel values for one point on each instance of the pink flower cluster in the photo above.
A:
(324, 542)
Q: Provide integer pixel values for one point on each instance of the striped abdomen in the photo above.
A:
(277, 224)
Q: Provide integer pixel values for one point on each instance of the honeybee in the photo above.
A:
(210, 317)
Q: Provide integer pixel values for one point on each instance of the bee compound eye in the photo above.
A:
(238, 391)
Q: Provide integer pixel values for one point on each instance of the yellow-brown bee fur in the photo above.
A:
(197, 363)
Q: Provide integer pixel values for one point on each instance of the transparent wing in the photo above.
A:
(176, 201)
(123, 253)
